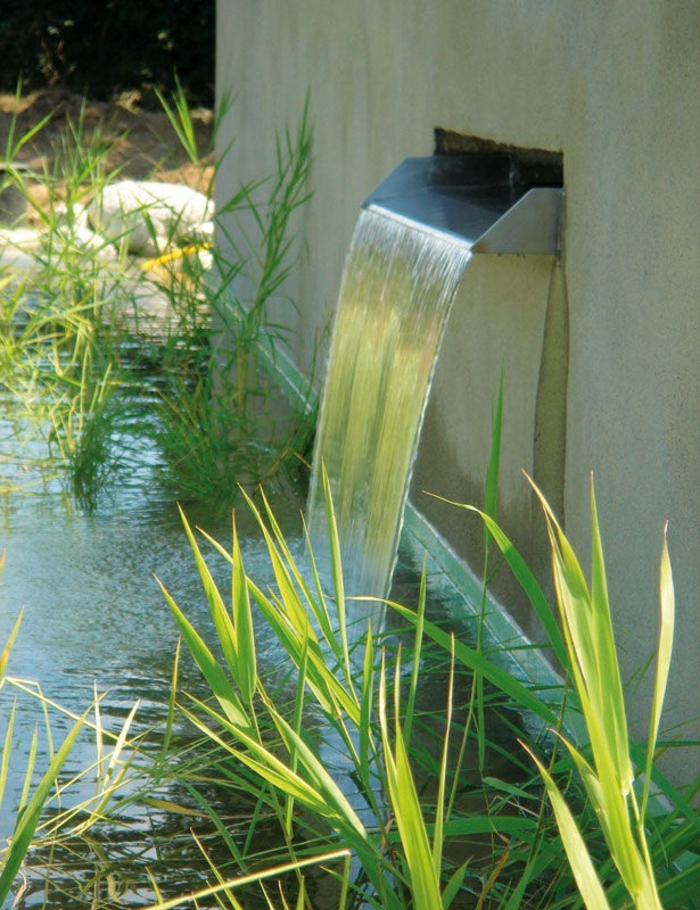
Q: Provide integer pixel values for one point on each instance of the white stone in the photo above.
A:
(25, 239)
(150, 217)
(18, 252)
(83, 238)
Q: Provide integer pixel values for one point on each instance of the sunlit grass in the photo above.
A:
(341, 773)
(406, 846)
(79, 349)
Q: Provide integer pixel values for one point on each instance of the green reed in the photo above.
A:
(80, 356)
(416, 817)
(631, 856)
(406, 844)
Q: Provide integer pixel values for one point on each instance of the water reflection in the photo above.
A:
(94, 621)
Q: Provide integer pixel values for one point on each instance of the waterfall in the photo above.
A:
(397, 288)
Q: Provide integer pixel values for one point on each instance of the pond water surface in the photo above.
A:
(95, 621)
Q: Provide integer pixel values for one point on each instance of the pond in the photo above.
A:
(97, 627)
(96, 623)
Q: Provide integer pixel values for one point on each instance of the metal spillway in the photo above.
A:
(486, 202)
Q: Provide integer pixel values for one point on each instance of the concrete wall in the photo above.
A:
(614, 87)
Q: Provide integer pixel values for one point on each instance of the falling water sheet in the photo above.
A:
(396, 294)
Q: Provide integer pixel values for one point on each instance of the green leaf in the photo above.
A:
(425, 885)
(6, 749)
(28, 818)
(416, 660)
(367, 705)
(212, 672)
(5, 654)
(605, 670)
(243, 627)
(451, 889)
(337, 569)
(222, 621)
(576, 851)
(439, 833)
(181, 120)
(663, 661)
(493, 472)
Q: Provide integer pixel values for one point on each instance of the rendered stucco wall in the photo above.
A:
(614, 87)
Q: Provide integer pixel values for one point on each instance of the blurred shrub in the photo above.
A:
(103, 49)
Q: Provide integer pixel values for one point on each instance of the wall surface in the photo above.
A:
(600, 358)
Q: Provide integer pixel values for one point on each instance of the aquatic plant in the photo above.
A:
(223, 417)
(179, 114)
(610, 778)
(297, 781)
(64, 316)
(15, 142)
(31, 806)
(352, 784)
(86, 365)
(633, 802)
(403, 841)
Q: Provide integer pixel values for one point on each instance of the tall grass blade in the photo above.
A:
(453, 886)
(366, 746)
(576, 851)
(603, 672)
(243, 627)
(180, 120)
(28, 817)
(476, 698)
(415, 669)
(337, 570)
(297, 722)
(439, 832)
(420, 868)
(215, 677)
(29, 771)
(6, 749)
(493, 472)
(663, 663)
(172, 698)
(222, 620)
(5, 654)
(99, 742)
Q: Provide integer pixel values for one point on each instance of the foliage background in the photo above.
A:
(103, 49)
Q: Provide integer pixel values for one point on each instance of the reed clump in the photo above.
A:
(101, 350)
(622, 835)
(358, 793)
